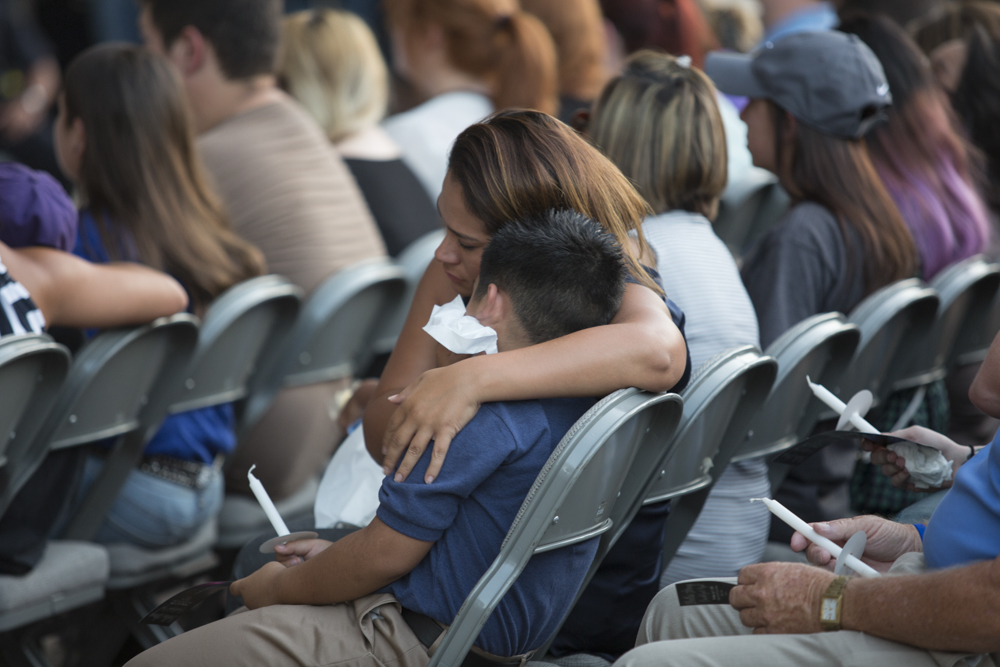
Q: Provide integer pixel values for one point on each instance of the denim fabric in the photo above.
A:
(152, 512)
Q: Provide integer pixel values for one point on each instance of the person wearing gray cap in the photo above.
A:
(814, 96)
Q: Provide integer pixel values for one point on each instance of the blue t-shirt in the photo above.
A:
(965, 527)
(467, 512)
(196, 435)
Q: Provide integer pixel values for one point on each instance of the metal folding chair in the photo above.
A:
(109, 385)
(895, 317)
(414, 261)
(32, 371)
(607, 459)
(718, 406)
(819, 347)
(972, 284)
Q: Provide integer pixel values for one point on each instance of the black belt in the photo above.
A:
(428, 630)
(192, 474)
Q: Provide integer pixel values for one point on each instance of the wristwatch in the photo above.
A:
(832, 604)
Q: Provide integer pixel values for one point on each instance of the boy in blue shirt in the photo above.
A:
(430, 543)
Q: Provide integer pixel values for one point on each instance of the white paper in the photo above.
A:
(928, 467)
(460, 333)
(348, 492)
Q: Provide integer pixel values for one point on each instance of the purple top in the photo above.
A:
(35, 209)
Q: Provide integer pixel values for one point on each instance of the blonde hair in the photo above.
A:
(330, 62)
(494, 40)
(660, 124)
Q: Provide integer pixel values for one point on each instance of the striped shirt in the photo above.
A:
(18, 313)
(699, 274)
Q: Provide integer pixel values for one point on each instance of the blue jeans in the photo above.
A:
(152, 512)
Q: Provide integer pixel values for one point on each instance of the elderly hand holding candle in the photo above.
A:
(887, 540)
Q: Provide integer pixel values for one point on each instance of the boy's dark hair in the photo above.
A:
(561, 270)
(244, 33)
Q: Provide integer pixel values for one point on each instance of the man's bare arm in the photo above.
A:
(356, 565)
(949, 610)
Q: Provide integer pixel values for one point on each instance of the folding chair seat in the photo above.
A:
(331, 338)
(898, 316)
(718, 406)
(819, 347)
(592, 485)
(108, 387)
(414, 261)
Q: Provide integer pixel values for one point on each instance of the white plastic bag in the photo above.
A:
(348, 492)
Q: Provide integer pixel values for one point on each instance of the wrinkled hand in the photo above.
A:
(893, 465)
(436, 406)
(886, 540)
(260, 589)
(299, 551)
(780, 598)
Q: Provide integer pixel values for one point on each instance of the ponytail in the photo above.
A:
(526, 76)
(510, 50)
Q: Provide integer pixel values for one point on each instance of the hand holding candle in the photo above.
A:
(274, 517)
(783, 513)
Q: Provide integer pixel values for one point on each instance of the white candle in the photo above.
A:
(837, 405)
(783, 513)
(265, 502)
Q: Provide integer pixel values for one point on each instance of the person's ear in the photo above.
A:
(189, 52)
(494, 307)
(77, 137)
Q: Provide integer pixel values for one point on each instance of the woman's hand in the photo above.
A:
(435, 407)
(299, 551)
(893, 465)
(886, 540)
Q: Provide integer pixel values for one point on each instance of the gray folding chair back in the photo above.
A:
(960, 287)
(718, 406)
(973, 286)
(332, 335)
(243, 325)
(898, 315)
(112, 383)
(819, 347)
(607, 459)
(719, 401)
(739, 207)
(32, 371)
(414, 261)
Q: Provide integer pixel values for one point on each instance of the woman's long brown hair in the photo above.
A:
(518, 164)
(141, 176)
(839, 175)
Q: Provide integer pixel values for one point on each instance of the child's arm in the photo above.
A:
(356, 565)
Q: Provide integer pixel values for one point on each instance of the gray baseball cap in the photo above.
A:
(828, 80)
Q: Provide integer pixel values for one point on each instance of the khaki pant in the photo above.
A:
(368, 632)
(712, 636)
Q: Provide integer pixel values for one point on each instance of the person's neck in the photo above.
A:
(776, 11)
(511, 337)
(447, 79)
(370, 143)
(216, 101)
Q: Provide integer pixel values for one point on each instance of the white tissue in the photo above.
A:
(928, 467)
(460, 333)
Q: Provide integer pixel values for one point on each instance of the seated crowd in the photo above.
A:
(575, 156)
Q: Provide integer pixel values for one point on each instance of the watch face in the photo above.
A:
(828, 612)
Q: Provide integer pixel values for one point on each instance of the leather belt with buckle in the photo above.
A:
(428, 630)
